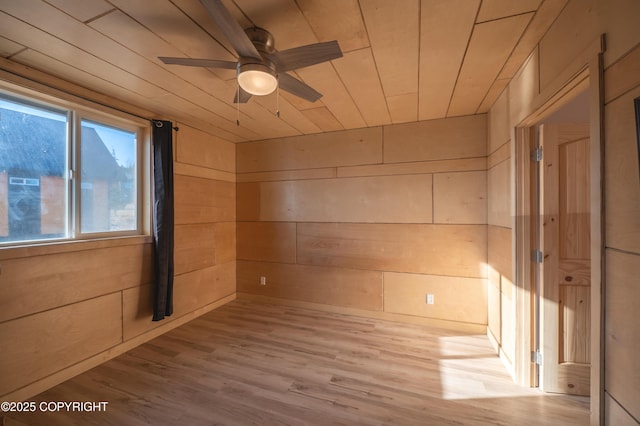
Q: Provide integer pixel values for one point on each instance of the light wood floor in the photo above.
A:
(258, 364)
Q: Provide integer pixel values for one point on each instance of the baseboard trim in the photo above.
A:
(502, 355)
(492, 339)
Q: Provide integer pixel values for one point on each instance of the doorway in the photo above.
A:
(553, 244)
(565, 268)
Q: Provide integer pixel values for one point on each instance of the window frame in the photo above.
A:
(76, 111)
(109, 121)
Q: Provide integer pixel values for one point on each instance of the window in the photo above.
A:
(66, 172)
(108, 179)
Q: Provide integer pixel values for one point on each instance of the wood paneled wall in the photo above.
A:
(62, 306)
(560, 55)
(554, 61)
(622, 186)
(369, 219)
(501, 306)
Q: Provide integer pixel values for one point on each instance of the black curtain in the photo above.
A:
(163, 219)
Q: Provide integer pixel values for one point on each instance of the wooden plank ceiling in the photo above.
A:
(404, 60)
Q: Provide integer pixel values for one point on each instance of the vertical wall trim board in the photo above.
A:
(599, 291)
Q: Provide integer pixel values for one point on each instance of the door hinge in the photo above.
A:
(536, 357)
(536, 256)
(536, 155)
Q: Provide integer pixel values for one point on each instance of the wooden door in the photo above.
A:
(565, 244)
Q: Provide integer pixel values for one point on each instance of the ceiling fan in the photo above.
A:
(260, 68)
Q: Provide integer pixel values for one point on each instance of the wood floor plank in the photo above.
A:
(251, 363)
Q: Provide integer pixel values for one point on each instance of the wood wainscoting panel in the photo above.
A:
(460, 198)
(349, 288)
(498, 188)
(623, 200)
(508, 321)
(502, 319)
(455, 250)
(494, 304)
(622, 335)
(202, 149)
(342, 148)
(202, 172)
(199, 200)
(418, 167)
(442, 139)
(248, 200)
(499, 129)
(386, 199)
(194, 247)
(304, 174)
(455, 298)
(499, 155)
(50, 341)
(267, 241)
(500, 253)
(614, 414)
(524, 89)
(38, 283)
(200, 288)
(225, 242)
(623, 76)
(137, 311)
(192, 290)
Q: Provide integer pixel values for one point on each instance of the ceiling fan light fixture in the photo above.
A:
(257, 79)
(260, 68)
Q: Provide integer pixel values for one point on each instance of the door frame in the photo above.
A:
(590, 78)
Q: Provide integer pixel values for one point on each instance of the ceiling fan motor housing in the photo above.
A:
(262, 39)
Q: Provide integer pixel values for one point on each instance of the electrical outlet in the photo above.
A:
(430, 299)
(263, 280)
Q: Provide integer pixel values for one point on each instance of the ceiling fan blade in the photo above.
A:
(191, 62)
(241, 96)
(230, 28)
(298, 88)
(304, 56)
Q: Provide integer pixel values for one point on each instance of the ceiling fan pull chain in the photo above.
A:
(237, 103)
(278, 100)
